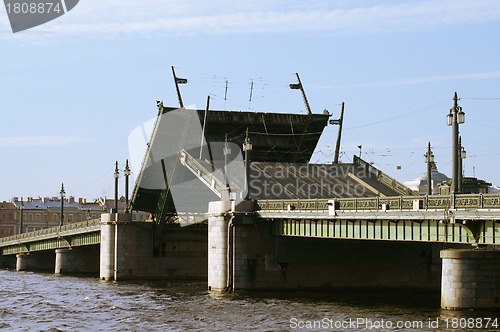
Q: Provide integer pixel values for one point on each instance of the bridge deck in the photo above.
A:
(67, 236)
(465, 218)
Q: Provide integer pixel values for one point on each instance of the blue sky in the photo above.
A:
(75, 88)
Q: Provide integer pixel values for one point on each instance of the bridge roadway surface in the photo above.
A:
(463, 218)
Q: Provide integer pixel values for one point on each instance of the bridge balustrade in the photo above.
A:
(81, 233)
(434, 202)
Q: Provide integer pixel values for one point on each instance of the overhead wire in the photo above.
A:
(214, 85)
(417, 111)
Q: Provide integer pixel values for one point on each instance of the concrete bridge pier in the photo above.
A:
(22, 261)
(227, 243)
(107, 257)
(127, 250)
(219, 222)
(77, 260)
(470, 279)
(35, 261)
(113, 244)
(63, 260)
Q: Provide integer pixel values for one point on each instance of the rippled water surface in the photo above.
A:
(45, 302)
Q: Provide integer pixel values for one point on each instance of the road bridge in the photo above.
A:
(274, 221)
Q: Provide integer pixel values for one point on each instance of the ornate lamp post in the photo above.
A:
(117, 175)
(126, 172)
(429, 159)
(455, 118)
(62, 193)
(227, 151)
(21, 217)
(247, 147)
(463, 155)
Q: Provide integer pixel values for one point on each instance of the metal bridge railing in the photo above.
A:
(14, 239)
(207, 177)
(434, 202)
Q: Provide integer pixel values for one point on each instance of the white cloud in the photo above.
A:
(415, 80)
(123, 17)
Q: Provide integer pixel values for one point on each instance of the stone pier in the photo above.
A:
(112, 255)
(219, 224)
(107, 256)
(77, 260)
(126, 250)
(470, 279)
(35, 261)
(22, 262)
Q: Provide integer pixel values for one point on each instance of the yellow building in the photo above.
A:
(31, 214)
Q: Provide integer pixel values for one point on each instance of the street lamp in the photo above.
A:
(454, 119)
(62, 192)
(117, 175)
(21, 207)
(463, 155)
(126, 172)
(429, 158)
(227, 152)
(247, 147)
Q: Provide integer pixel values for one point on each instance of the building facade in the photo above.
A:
(8, 219)
(32, 214)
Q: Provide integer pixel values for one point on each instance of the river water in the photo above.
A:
(46, 302)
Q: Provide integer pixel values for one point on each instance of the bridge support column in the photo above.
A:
(114, 246)
(63, 259)
(218, 252)
(219, 222)
(227, 244)
(107, 257)
(243, 266)
(22, 261)
(470, 279)
(77, 260)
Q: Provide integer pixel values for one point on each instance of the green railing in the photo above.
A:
(434, 202)
(49, 232)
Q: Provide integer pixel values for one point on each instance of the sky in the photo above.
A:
(75, 88)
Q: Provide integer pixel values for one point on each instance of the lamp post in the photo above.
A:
(62, 193)
(117, 175)
(21, 207)
(227, 151)
(455, 118)
(463, 155)
(247, 147)
(429, 158)
(126, 172)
